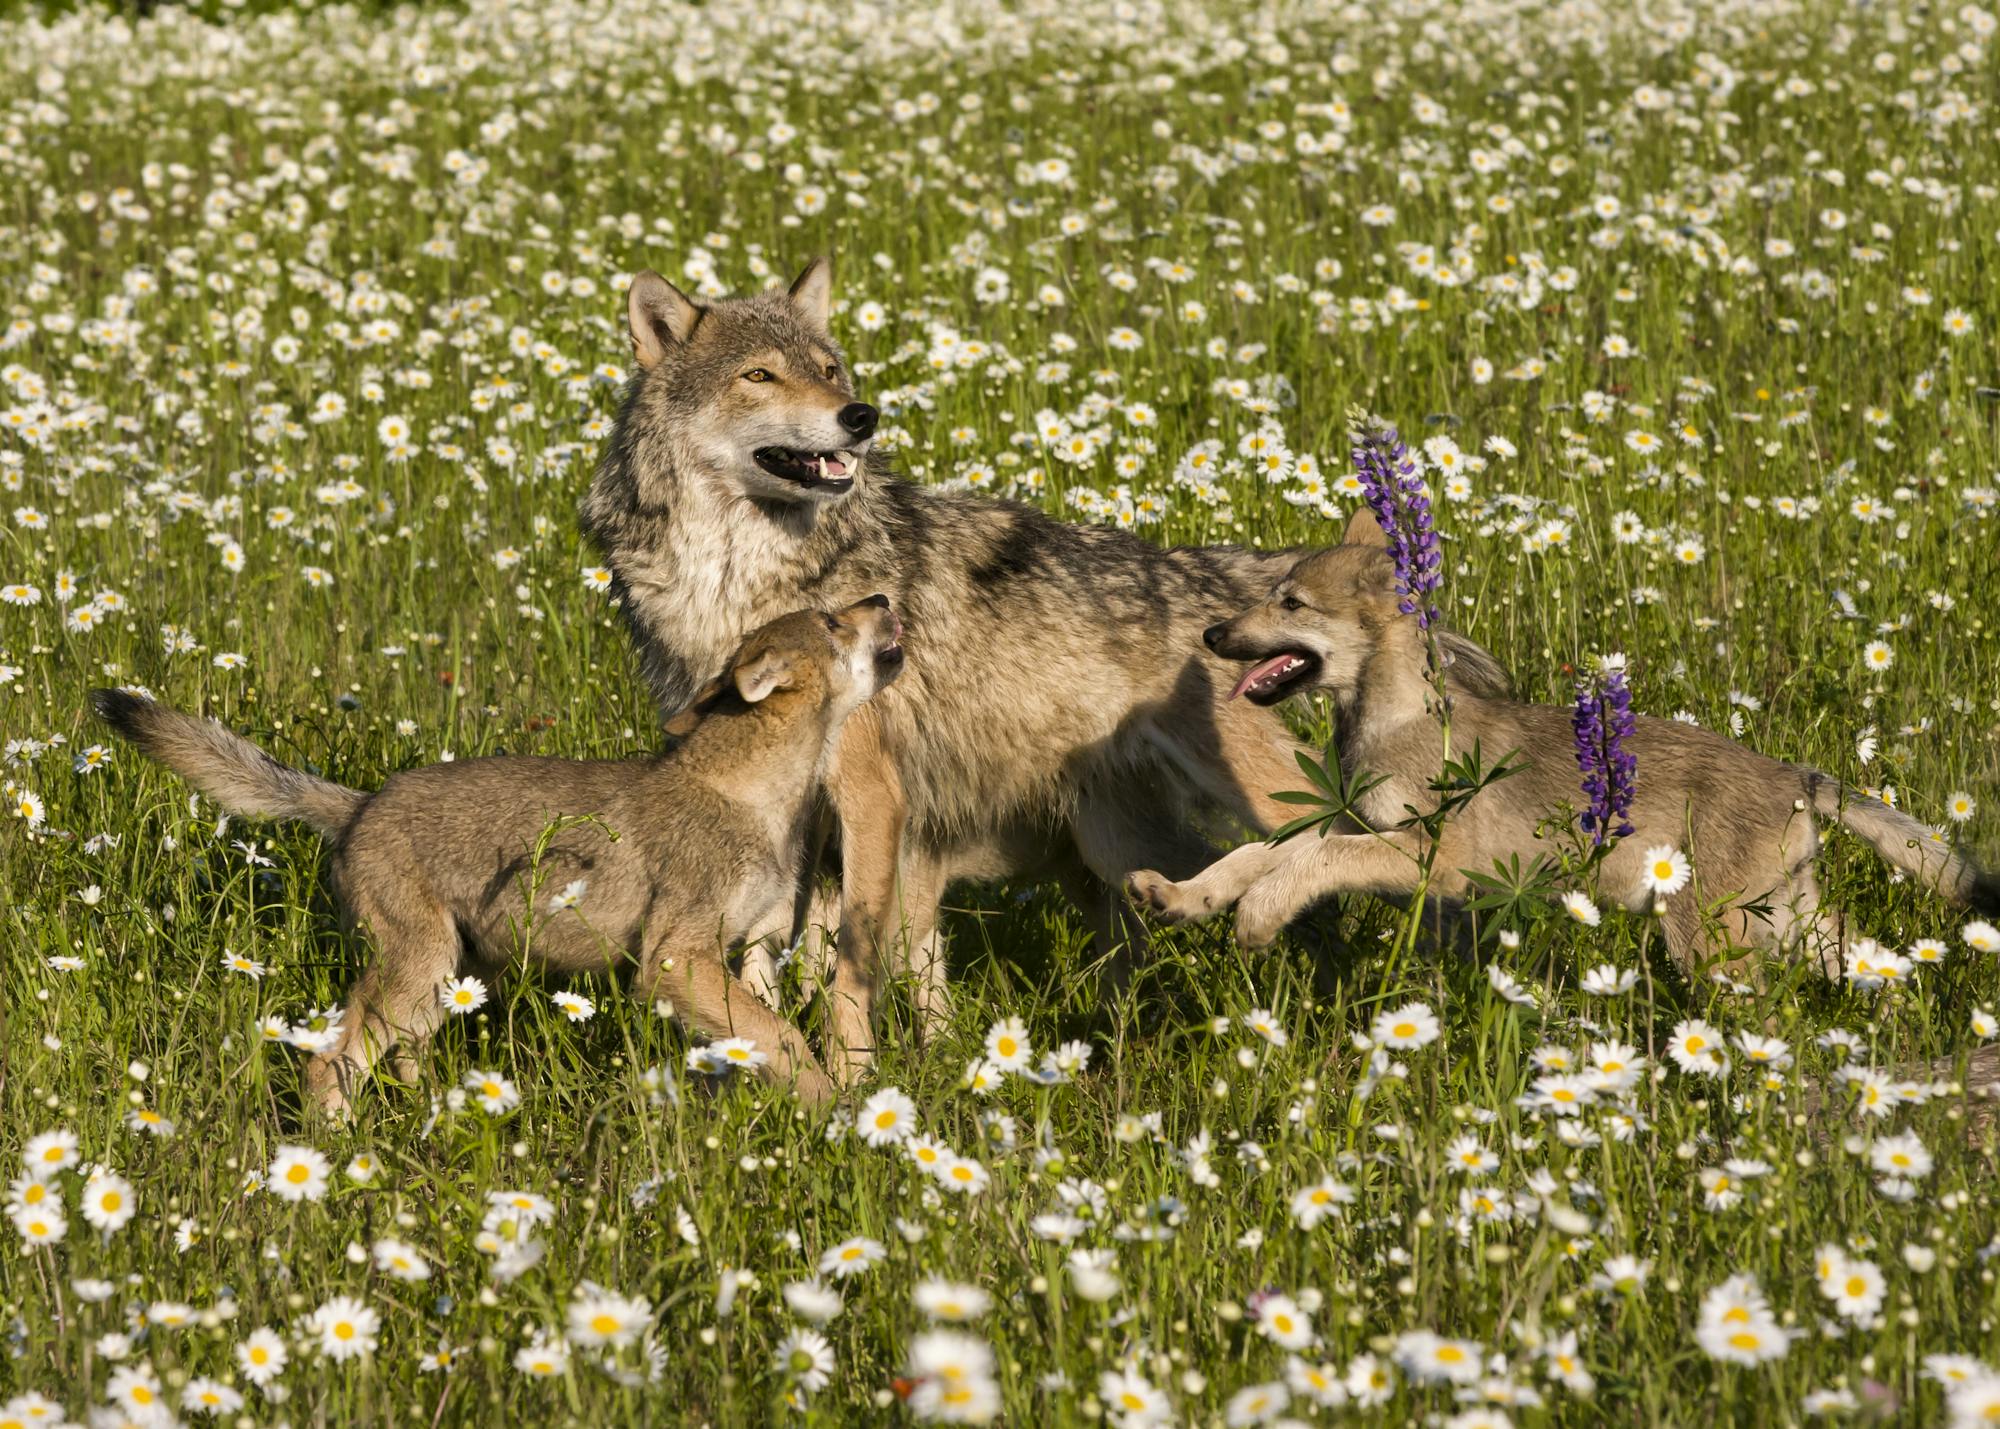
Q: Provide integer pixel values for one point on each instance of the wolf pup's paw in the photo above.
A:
(1162, 897)
(814, 1088)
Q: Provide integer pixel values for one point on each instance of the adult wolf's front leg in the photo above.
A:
(867, 792)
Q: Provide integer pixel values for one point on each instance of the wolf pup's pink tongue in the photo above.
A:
(1256, 673)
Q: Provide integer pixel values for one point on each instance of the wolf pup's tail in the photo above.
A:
(226, 767)
(1911, 846)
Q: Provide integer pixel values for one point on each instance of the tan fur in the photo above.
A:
(687, 857)
(1041, 731)
(1748, 824)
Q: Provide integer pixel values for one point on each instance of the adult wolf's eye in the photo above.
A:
(833, 369)
(1291, 602)
(756, 374)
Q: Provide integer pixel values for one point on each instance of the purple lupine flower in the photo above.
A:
(1603, 723)
(1394, 491)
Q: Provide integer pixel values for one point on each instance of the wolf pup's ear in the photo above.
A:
(762, 673)
(812, 293)
(683, 724)
(1364, 530)
(661, 315)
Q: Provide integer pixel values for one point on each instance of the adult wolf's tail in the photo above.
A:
(226, 767)
(1908, 844)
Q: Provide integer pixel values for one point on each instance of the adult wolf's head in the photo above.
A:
(751, 393)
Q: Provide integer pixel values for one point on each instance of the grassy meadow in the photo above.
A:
(311, 330)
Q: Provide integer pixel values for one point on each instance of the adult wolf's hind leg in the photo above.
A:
(1116, 834)
(813, 936)
(917, 942)
(867, 791)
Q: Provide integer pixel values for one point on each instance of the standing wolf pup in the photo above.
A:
(1060, 716)
(683, 857)
(1333, 624)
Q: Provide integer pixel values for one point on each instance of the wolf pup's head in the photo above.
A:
(831, 660)
(1327, 617)
(1315, 629)
(752, 393)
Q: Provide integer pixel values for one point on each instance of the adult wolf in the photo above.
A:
(1059, 715)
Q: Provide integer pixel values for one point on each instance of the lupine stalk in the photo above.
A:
(1394, 490)
(1603, 724)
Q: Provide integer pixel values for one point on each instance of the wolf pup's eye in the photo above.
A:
(1291, 602)
(757, 374)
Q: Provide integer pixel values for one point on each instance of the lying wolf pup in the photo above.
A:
(684, 856)
(1747, 822)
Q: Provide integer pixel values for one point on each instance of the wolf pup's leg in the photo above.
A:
(710, 1001)
(395, 1004)
(1309, 868)
(1272, 884)
(1215, 888)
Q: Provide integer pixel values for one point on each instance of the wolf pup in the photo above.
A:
(1747, 822)
(1049, 736)
(682, 857)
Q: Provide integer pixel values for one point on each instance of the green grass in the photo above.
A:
(189, 216)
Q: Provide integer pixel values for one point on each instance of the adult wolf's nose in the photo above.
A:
(1212, 636)
(858, 418)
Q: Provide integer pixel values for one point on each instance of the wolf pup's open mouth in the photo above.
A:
(889, 658)
(826, 471)
(1269, 681)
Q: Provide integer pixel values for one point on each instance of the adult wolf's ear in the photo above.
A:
(762, 673)
(1364, 530)
(1470, 667)
(812, 292)
(661, 315)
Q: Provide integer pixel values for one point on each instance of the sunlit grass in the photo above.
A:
(315, 333)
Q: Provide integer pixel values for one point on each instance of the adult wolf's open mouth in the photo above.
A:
(1268, 681)
(826, 471)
